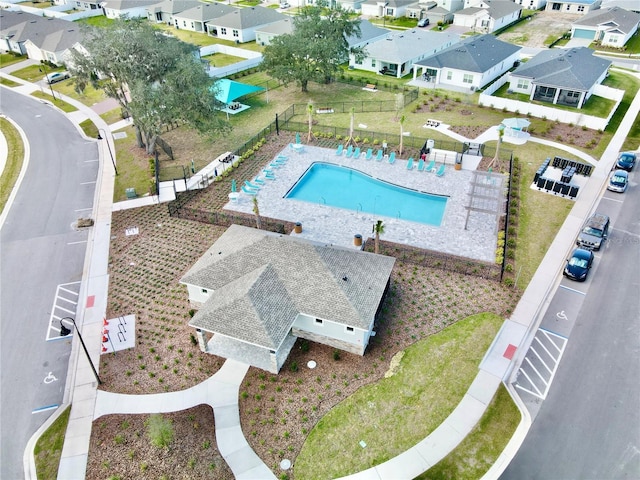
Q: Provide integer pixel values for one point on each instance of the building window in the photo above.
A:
(523, 84)
(236, 33)
(449, 75)
(358, 61)
(319, 321)
(223, 30)
(468, 78)
(349, 329)
(373, 63)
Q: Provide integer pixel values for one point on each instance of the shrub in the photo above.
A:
(193, 338)
(160, 431)
(336, 354)
(294, 366)
(192, 312)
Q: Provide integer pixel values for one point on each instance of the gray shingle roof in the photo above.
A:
(205, 12)
(368, 32)
(50, 34)
(173, 6)
(248, 17)
(262, 280)
(407, 45)
(624, 20)
(126, 4)
(572, 68)
(283, 27)
(473, 54)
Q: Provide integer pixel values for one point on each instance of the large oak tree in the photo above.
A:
(156, 78)
(315, 49)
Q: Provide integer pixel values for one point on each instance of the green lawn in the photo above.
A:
(62, 105)
(35, 73)
(397, 412)
(7, 59)
(48, 449)
(8, 83)
(100, 21)
(221, 59)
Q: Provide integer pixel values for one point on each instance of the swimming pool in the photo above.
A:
(336, 186)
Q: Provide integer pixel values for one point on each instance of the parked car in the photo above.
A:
(284, 5)
(423, 22)
(618, 181)
(626, 160)
(594, 232)
(56, 77)
(579, 264)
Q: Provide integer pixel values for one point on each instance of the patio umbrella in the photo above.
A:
(233, 186)
(297, 138)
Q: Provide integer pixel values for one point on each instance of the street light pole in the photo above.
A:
(46, 75)
(384, 15)
(100, 137)
(64, 331)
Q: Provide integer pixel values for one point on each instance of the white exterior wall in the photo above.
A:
(468, 21)
(498, 23)
(526, 85)
(532, 4)
(188, 24)
(573, 7)
(130, 12)
(197, 295)
(616, 39)
(331, 329)
(370, 10)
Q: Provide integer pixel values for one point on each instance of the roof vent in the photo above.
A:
(345, 278)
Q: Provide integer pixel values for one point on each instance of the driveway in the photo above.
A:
(534, 32)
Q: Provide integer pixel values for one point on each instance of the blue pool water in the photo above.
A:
(342, 187)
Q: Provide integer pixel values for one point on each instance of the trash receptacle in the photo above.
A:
(298, 227)
(357, 240)
(131, 193)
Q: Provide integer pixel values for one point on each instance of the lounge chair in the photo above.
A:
(251, 185)
(440, 171)
(258, 181)
(420, 165)
(249, 191)
(282, 157)
(356, 153)
(379, 155)
(369, 154)
(269, 176)
(392, 157)
(349, 151)
(280, 160)
(275, 165)
(431, 167)
(340, 150)
(410, 164)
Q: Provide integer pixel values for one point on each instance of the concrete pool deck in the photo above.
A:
(338, 226)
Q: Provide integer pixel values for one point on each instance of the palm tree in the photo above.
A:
(378, 229)
(402, 120)
(351, 140)
(310, 120)
(256, 211)
(495, 157)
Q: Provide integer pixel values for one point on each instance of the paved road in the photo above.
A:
(589, 425)
(41, 258)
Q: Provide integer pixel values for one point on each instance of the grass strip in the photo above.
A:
(15, 158)
(48, 449)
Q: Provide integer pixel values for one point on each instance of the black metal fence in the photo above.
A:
(439, 260)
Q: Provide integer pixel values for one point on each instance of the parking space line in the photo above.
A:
(536, 370)
(77, 243)
(540, 358)
(88, 183)
(612, 199)
(539, 394)
(545, 348)
(44, 409)
(572, 290)
(548, 336)
(66, 297)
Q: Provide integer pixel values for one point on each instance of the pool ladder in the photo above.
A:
(324, 202)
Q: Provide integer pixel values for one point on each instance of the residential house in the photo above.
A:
(560, 76)
(631, 5)
(258, 291)
(386, 8)
(196, 18)
(611, 26)
(488, 16)
(266, 33)
(165, 11)
(126, 8)
(468, 65)
(397, 52)
(80, 4)
(40, 38)
(581, 7)
(240, 25)
(532, 4)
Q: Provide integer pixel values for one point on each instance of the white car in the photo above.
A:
(56, 77)
(284, 5)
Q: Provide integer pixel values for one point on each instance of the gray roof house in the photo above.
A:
(40, 38)
(258, 291)
(611, 26)
(581, 7)
(130, 8)
(163, 12)
(560, 76)
(240, 25)
(395, 53)
(488, 15)
(468, 65)
(386, 8)
(265, 34)
(196, 18)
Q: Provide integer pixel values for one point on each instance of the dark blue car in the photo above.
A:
(579, 264)
(626, 160)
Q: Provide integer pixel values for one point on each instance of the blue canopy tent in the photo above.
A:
(227, 91)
